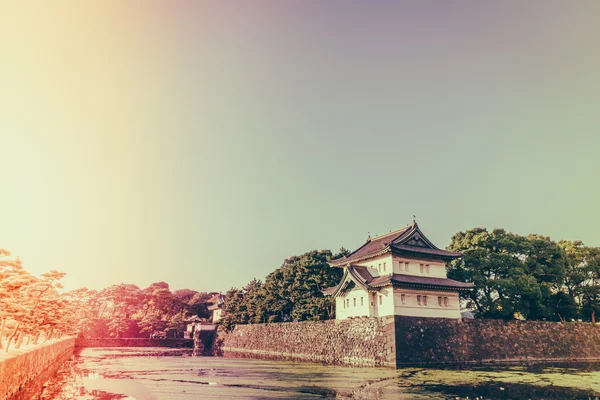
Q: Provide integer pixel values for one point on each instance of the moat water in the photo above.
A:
(158, 373)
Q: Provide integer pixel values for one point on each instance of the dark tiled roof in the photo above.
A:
(370, 282)
(424, 250)
(418, 281)
(412, 280)
(216, 301)
(364, 273)
(358, 275)
(405, 240)
(371, 247)
(329, 291)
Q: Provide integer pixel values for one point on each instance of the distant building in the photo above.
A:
(399, 273)
(215, 304)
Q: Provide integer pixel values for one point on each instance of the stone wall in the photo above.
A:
(405, 341)
(356, 342)
(133, 342)
(433, 341)
(18, 370)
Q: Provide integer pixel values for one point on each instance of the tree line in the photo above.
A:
(290, 293)
(527, 277)
(125, 310)
(31, 308)
(34, 308)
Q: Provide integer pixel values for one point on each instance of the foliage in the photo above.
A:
(291, 292)
(531, 277)
(29, 306)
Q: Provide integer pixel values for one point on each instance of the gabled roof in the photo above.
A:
(408, 240)
(353, 274)
(216, 301)
(362, 277)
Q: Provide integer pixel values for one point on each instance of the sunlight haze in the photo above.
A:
(202, 143)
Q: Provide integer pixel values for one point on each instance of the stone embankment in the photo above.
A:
(20, 368)
(359, 342)
(426, 341)
(410, 341)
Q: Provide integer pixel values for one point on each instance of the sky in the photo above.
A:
(202, 143)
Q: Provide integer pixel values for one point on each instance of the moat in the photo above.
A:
(159, 373)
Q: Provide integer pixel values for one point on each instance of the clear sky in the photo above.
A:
(203, 143)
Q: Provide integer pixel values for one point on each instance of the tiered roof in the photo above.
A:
(406, 241)
(363, 278)
(409, 241)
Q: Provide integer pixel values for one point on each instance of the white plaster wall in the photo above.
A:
(345, 308)
(436, 269)
(386, 306)
(373, 304)
(373, 264)
(432, 309)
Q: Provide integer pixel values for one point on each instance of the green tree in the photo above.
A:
(513, 275)
(291, 292)
(234, 309)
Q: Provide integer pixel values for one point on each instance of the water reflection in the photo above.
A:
(125, 373)
(491, 390)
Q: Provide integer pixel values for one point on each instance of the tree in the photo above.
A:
(513, 275)
(152, 321)
(197, 305)
(291, 292)
(582, 277)
(234, 309)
